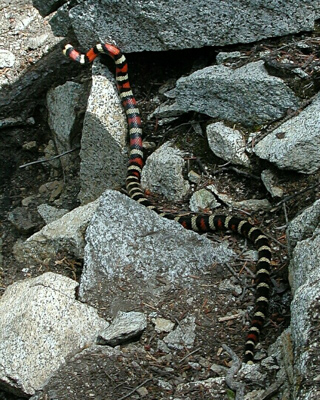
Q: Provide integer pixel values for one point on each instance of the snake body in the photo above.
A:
(198, 223)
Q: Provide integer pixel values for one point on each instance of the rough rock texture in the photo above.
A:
(29, 68)
(103, 145)
(162, 173)
(125, 326)
(48, 6)
(63, 105)
(214, 387)
(305, 308)
(304, 225)
(295, 144)
(49, 213)
(248, 204)
(305, 320)
(184, 335)
(147, 25)
(203, 199)
(268, 178)
(305, 263)
(41, 324)
(227, 143)
(130, 247)
(64, 234)
(7, 59)
(222, 92)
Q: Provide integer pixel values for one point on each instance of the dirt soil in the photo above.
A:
(26, 140)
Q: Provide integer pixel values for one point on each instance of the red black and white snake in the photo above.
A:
(198, 223)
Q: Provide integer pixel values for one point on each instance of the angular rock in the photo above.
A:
(249, 204)
(41, 324)
(295, 145)
(146, 25)
(268, 177)
(163, 325)
(303, 226)
(7, 59)
(184, 335)
(48, 6)
(60, 21)
(194, 177)
(134, 256)
(37, 41)
(203, 199)
(125, 326)
(222, 92)
(49, 213)
(103, 145)
(215, 387)
(64, 234)
(162, 173)
(305, 263)
(305, 312)
(227, 143)
(296, 350)
(167, 111)
(223, 57)
(63, 106)
(16, 121)
(23, 220)
(252, 204)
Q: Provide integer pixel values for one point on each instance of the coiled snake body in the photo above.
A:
(198, 223)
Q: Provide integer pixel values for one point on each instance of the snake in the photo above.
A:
(199, 222)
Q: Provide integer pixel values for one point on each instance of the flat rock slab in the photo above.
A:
(134, 256)
(138, 25)
(295, 145)
(124, 327)
(41, 324)
(63, 234)
(222, 92)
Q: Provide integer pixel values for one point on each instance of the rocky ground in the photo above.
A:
(26, 138)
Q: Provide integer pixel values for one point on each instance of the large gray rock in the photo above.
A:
(304, 233)
(295, 144)
(103, 145)
(148, 25)
(162, 173)
(134, 256)
(41, 324)
(306, 339)
(248, 95)
(62, 103)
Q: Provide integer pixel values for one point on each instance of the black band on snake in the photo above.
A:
(198, 223)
